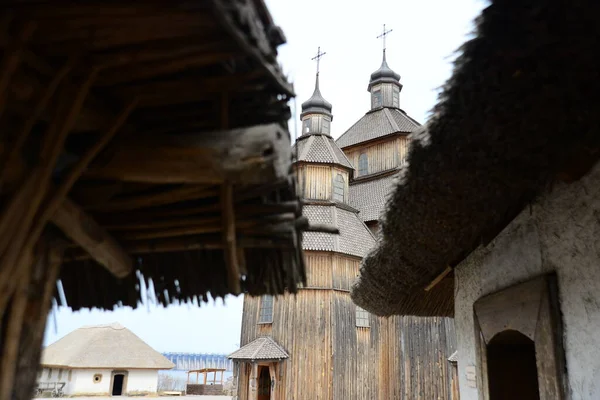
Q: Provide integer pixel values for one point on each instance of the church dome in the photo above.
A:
(384, 75)
(316, 103)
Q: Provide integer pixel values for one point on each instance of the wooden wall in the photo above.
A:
(316, 181)
(330, 358)
(382, 156)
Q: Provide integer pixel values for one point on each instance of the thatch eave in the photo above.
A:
(519, 111)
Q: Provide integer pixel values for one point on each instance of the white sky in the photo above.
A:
(420, 48)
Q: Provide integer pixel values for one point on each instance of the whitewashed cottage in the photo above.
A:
(102, 360)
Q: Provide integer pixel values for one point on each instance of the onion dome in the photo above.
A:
(384, 75)
(316, 104)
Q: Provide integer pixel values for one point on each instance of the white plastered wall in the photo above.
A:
(83, 381)
(559, 233)
(142, 381)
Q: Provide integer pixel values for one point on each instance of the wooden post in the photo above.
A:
(204, 377)
(29, 305)
(229, 238)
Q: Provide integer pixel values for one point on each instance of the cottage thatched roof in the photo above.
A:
(263, 348)
(520, 110)
(103, 346)
(150, 137)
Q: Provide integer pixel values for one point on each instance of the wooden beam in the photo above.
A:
(260, 154)
(84, 231)
(229, 238)
(171, 196)
(438, 279)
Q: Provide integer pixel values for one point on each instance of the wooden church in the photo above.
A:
(317, 344)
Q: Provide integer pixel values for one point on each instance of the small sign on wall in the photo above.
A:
(471, 376)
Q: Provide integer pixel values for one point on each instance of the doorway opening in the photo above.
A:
(117, 387)
(512, 369)
(264, 383)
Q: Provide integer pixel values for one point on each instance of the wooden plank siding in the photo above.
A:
(384, 155)
(316, 181)
(331, 359)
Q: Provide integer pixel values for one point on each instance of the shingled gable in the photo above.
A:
(320, 149)
(263, 348)
(520, 110)
(377, 124)
(103, 346)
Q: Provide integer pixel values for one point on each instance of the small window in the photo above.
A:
(326, 125)
(377, 98)
(306, 126)
(97, 378)
(362, 318)
(49, 373)
(339, 188)
(363, 165)
(266, 310)
(396, 97)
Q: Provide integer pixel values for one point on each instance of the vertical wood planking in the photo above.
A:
(396, 358)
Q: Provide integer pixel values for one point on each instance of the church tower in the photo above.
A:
(317, 344)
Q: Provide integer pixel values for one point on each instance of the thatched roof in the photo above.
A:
(153, 137)
(263, 348)
(103, 346)
(520, 110)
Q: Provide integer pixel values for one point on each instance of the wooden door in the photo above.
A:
(264, 383)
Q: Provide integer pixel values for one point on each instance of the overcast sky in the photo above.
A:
(420, 48)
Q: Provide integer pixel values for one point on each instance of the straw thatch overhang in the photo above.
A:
(520, 111)
(141, 136)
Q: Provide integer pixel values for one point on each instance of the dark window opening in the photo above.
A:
(512, 369)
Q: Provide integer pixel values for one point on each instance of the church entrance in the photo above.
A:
(264, 383)
(512, 369)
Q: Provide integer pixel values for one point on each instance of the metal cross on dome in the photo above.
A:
(383, 35)
(318, 57)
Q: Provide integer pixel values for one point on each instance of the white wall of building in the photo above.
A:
(81, 381)
(142, 380)
(57, 375)
(84, 382)
(559, 233)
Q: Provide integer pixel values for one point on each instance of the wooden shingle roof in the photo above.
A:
(376, 124)
(263, 348)
(354, 237)
(321, 149)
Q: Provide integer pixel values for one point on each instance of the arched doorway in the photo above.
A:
(118, 384)
(264, 383)
(512, 369)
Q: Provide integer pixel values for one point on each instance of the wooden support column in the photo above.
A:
(25, 318)
(19, 229)
(253, 382)
(229, 239)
